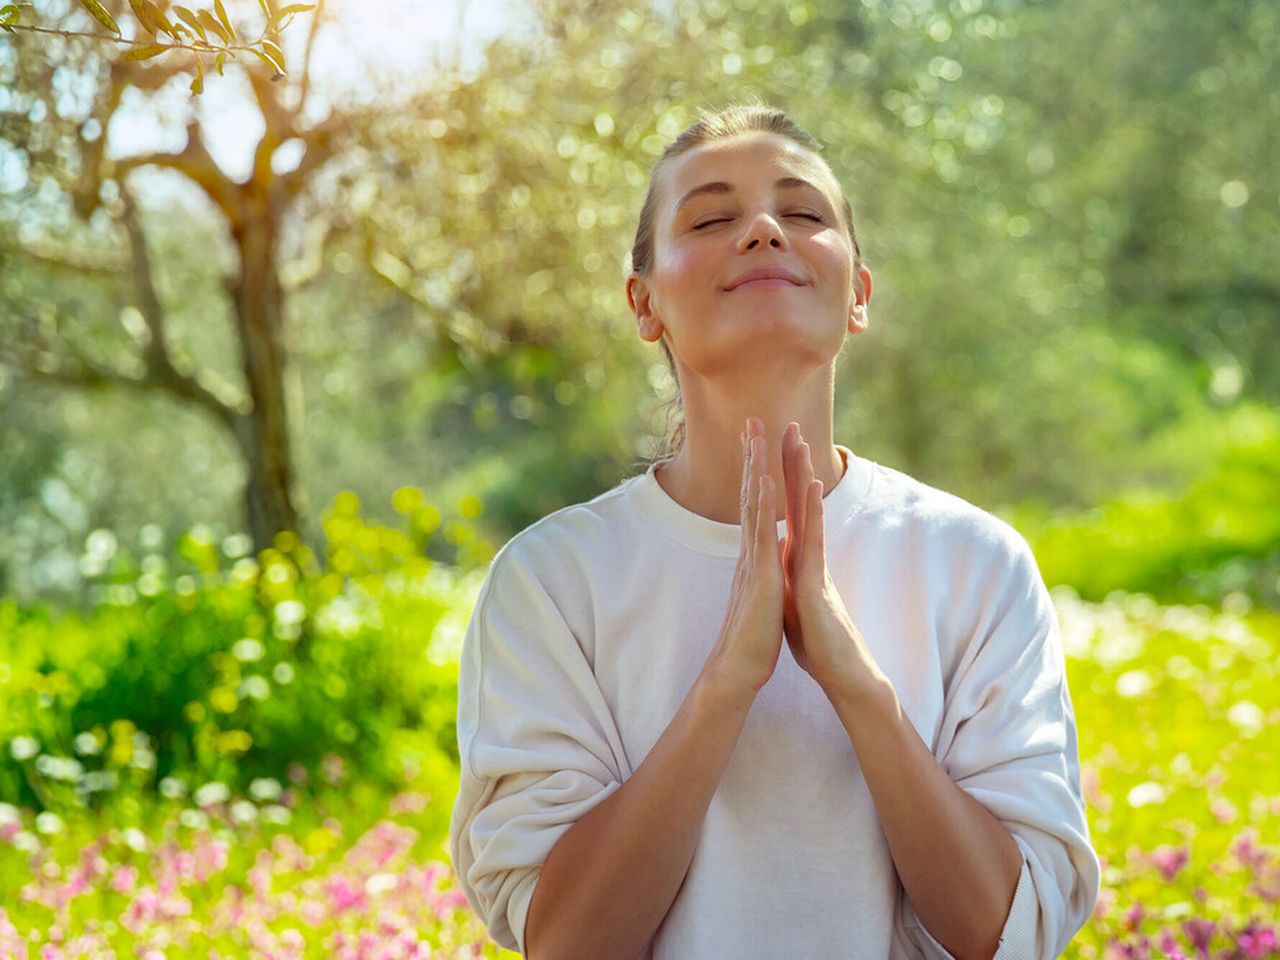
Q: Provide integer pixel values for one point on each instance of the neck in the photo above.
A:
(705, 476)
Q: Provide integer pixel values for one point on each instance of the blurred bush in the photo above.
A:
(212, 667)
(1219, 537)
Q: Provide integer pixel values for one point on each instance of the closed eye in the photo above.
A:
(808, 216)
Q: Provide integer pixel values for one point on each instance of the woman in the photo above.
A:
(772, 700)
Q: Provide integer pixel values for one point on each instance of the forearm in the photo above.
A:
(610, 880)
(957, 862)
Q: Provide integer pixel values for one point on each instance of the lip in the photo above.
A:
(765, 274)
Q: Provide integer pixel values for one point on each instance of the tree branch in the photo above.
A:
(195, 162)
(279, 124)
(322, 142)
(160, 369)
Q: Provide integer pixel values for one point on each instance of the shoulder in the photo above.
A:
(562, 551)
(940, 521)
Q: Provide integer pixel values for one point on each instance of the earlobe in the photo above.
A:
(858, 320)
(640, 301)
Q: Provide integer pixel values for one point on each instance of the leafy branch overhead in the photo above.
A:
(166, 28)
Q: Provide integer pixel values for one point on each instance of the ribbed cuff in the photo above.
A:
(1017, 940)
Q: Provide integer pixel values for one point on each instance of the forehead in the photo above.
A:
(742, 161)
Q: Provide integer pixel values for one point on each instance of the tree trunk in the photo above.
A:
(263, 434)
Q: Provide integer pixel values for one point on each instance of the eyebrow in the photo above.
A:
(719, 186)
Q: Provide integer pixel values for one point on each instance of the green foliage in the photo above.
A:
(1220, 536)
(207, 671)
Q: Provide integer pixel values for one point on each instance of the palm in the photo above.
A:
(790, 612)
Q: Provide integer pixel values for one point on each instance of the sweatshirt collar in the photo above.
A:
(700, 533)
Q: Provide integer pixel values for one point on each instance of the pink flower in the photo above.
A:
(1169, 860)
(345, 894)
(1169, 947)
(1224, 811)
(1257, 941)
(1106, 900)
(1247, 852)
(1199, 932)
(1133, 916)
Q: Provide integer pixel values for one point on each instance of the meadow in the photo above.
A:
(228, 756)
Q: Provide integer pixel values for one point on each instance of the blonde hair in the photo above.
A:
(711, 126)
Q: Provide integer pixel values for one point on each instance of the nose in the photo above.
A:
(762, 230)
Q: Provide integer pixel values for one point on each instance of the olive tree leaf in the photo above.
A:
(100, 14)
(213, 26)
(147, 52)
(266, 58)
(190, 19)
(225, 20)
(9, 14)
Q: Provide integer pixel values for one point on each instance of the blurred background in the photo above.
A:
(290, 347)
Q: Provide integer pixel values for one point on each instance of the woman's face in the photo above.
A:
(757, 202)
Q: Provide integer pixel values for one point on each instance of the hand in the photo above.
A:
(822, 636)
(751, 639)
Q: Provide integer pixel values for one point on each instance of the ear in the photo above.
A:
(858, 319)
(640, 300)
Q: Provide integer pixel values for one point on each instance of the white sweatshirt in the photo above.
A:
(591, 627)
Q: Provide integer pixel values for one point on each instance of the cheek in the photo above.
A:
(837, 258)
(683, 272)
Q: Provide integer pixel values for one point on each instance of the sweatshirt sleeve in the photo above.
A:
(537, 743)
(1008, 738)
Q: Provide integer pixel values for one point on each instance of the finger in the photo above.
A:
(744, 495)
(766, 526)
(803, 480)
(793, 495)
(791, 472)
(815, 546)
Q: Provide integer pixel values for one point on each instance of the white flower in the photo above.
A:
(247, 650)
(26, 841)
(1248, 717)
(242, 812)
(59, 768)
(265, 788)
(1133, 683)
(135, 839)
(1146, 793)
(380, 883)
(212, 793)
(277, 814)
(255, 688)
(87, 744)
(24, 748)
(290, 612)
(49, 822)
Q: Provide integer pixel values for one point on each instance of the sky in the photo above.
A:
(387, 41)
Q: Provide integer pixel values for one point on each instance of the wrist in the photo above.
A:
(876, 694)
(721, 685)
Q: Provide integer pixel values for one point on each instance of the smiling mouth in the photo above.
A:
(764, 283)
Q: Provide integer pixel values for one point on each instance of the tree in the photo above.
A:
(62, 145)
